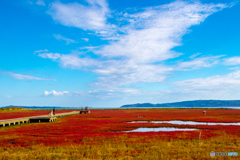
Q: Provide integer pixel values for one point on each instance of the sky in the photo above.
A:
(108, 53)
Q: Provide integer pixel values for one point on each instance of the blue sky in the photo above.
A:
(102, 53)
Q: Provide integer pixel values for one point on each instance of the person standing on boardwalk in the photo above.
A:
(54, 111)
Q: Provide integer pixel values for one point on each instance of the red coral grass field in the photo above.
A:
(102, 135)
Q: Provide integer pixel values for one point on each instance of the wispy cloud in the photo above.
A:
(26, 77)
(52, 56)
(92, 48)
(113, 92)
(229, 81)
(199, 63)
(40, 2)
(214, 87)
(60, 37)
(148, 40)
(85, 39)
(195, 55)
(69, 60)
(234, 68)
(73, 61)
(91, 17)
(55, 93)
(97, 93)
(120, 73)
(232, 61)
(30, 2)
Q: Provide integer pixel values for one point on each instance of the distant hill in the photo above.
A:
(197, 103)
(41, 107)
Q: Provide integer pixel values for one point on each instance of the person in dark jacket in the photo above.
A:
(54, 111)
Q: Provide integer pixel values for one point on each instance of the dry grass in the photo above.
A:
(123, 148)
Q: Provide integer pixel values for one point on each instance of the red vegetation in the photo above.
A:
(104, 124)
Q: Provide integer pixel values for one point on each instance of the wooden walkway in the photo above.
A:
(42, 118)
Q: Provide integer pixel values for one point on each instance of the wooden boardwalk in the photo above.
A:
(42, 118)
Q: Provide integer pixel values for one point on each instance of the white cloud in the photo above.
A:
(73, 61)
(26, 77)
(60, 37)
(91, 48)
(195, 55)
(54, 93)
(85, 39)
(69, 60)
(120, 73)
(234, 68)
(97, 93)
(154, 32)
(148, 41)
(52, 56)
(232, 61)
(40, 2)
(40, 51)
(91, 17)
(214, 87)
(198, 63)
(147, 38)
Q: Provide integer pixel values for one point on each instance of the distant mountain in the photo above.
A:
(197, 103)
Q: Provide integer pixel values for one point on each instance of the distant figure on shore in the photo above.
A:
(82, 108)
(204, 112)
(54, 111)
(86, 108)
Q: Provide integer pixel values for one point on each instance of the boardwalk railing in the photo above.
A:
(42, 118)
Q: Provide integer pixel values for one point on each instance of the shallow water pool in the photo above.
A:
(186, 122)
(166, 129)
